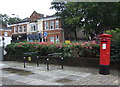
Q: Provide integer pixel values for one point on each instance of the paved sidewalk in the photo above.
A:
(55, 76)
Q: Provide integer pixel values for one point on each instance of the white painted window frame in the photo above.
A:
(15, 30)
(51, 24)
(57, 24)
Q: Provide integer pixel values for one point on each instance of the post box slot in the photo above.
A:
(104, 41)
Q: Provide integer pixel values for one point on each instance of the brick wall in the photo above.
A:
(55, 32)
(17, 29)
(8, 33)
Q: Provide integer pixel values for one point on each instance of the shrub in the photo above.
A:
(87, 49)
(115, 45)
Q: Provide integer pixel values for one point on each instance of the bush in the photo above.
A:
(115, 45)
(87, 49)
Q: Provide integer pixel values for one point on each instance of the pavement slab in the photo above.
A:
(55, 76)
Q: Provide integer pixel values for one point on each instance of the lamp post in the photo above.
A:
(3, 47)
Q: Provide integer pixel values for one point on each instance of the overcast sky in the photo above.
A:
(24, 8)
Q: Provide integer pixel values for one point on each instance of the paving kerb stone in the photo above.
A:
(52, 83)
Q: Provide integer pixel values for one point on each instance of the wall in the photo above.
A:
(54, 33)
(81, 62)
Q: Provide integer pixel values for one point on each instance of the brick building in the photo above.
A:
(34, 28)
(52, 25)
(4, 30)
(6, 33)
(19, 31)
(22, 30)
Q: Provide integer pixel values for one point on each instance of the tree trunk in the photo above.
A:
(75, 33)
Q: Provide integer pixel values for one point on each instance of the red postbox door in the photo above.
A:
(105, 49)
(104, 53)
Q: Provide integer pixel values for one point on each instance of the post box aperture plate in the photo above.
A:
(104, 46)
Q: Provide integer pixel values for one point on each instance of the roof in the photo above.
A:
(2, 26)
(22, 21)
(50, 17)
(37, 13)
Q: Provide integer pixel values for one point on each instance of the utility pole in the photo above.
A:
(3, 47)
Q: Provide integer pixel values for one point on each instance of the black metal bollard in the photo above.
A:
(62, 62)
(47, 63)
(24, 62)
(37, 61)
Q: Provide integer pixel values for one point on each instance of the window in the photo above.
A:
(19, 29)
(51, 25)
(34, 27)
(24, 28)
(6, 34)
(46, 25)
(52, 39)
(56, 24)
(57, 39)
(15, 30)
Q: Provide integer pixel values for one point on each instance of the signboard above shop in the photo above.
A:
(34, 36)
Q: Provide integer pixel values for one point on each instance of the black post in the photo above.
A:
(3, 48)
(37, 61)
(62, 62)
(47, 63)
(24, 62)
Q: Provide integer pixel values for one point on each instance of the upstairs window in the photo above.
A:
(24, 28)
(46, 25)
(19, 29)
(56, 24)
(34, 27)
(51, 25)
(5, 34)
(15, 30)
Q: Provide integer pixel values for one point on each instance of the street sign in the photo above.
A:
(45, 34)
(39, 35)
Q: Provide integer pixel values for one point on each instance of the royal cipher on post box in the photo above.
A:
(104, 67)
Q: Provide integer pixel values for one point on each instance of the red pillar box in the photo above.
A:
(104, 54)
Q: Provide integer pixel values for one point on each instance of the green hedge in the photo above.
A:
(87, 49)
(115, 45)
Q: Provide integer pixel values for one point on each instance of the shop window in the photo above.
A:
(52, 39)
(57, 39)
